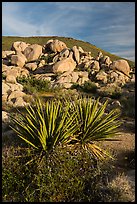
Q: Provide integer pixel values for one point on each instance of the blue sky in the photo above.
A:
(107, 25)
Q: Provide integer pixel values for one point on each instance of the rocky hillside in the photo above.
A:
(63, 66)
(70, 42)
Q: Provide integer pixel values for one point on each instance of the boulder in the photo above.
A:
(32, 52)
(67, 85)
(14, 71)
(11, 79)
(102, 76)
(82, 80)
(83, 74)
(19, 46)
(57, 45)
(15, 94)
(95, 67)
(5, 88)
(121, 65)
(83, 77)
(74, 77)
(19, 59)
(19, 102)
(76, 54)
(5, 68)
(31, 66)
(64, 54)
(4, 98)
(68, 78)
(15, 87)
(24, 73)
(80, 49)
(105, 60)
(7, 53)
(47, 76)
(5, 117)
(99, 56)
(65, 65)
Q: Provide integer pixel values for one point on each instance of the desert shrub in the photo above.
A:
(67, 94)
(32, 85)
(89, 87)
(16, 176)
(47, 59)
(128, 106)
(66, 175)
(113, 92)
(76, 86)
(119, 190)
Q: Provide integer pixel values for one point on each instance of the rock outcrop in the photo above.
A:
(60, 65)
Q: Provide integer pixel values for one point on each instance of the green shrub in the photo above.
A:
(128, 106)
(89, 87)
(48, 58)
(119, 190)
(68, 174)
(113, 92)
(32, 85)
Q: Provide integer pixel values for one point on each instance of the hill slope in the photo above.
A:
(70, 42)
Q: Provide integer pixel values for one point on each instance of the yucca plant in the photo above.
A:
(46, 126)
(95, 125)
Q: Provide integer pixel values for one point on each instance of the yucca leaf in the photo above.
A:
(27, 141)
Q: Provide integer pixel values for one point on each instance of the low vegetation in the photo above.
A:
(32, 85)
(67, 175)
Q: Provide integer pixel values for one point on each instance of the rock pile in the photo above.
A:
(59, 64)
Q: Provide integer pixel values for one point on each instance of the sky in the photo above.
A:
(107, 25)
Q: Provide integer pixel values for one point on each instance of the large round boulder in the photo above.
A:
(32, 52)
(121, 65)
(65, 65)
(19, 59)
(57, 45)
(19, 46)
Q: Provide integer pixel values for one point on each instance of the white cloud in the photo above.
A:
(128, 54)
(88, 21)
(12, 22)
(74, 6)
